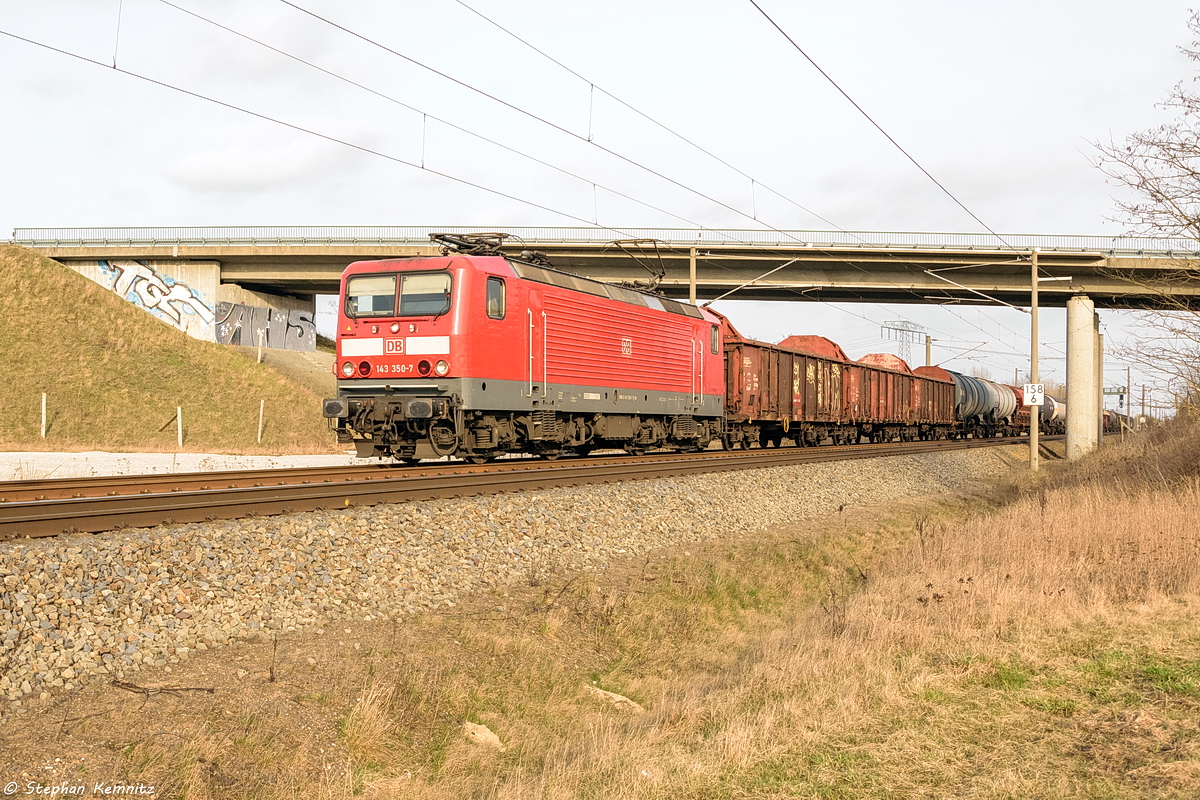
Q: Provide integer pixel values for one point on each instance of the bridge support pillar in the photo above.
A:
(1082, 424)
(1099, 382)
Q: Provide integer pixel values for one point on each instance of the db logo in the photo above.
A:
(393, 347)
(627, 347)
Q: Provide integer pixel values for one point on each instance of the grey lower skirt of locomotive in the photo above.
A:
(411, 428)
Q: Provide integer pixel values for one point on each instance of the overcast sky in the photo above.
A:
(1000, 101)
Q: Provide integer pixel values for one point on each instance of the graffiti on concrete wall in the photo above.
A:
(255, 326)
(170, 300)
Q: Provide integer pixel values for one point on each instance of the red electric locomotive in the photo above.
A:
(476, 354)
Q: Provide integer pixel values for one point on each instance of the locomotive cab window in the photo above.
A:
(371, 296)
(495, 298)
(425, 294)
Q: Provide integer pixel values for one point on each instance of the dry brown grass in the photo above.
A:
(369, 724)
(114, 375)
(1045, 646)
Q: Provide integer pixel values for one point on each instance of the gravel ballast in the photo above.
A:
(74, 608)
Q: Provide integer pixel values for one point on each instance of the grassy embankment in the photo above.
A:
(1040, 642)
(113, 375)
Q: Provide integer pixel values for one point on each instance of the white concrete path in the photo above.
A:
(35, 466)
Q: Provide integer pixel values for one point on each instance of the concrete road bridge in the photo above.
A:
(286, 267)
(832, 266)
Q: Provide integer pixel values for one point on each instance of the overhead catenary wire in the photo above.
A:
(593, 88)
(309, 131)
(535, 117)
(895, 143)
(595, 186)
(302, 129)
(117, 37)
(425, 117)
(595, 219)
(562, 129)
(395, 159)
(880, 128)
(877, 126)
(327, 137)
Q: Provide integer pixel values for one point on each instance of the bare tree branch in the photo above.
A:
(1162, 167)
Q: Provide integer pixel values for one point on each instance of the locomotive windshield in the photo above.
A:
(421, 295)
(424, 295)
(371, 296)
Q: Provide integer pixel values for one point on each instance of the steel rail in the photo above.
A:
(310, 489)
(123, 485)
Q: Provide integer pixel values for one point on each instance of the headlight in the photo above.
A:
(347, 369)
(441, 367)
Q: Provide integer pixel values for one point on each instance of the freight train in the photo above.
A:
(475, 354)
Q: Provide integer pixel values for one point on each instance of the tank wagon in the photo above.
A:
(1053, 413)
(475, 354)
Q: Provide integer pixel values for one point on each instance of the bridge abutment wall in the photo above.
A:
(189, 296)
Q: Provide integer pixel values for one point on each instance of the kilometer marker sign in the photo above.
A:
(1035, 394)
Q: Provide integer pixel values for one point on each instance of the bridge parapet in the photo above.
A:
(409, 236)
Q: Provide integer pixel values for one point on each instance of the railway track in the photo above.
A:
(36, 508)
